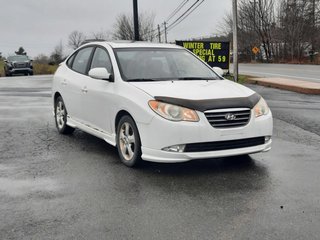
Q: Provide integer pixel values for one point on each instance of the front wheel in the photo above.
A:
(60, 113)
(7, 74)
(128, 142)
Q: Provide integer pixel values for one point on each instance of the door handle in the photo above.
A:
(64, 82)
(84, 90)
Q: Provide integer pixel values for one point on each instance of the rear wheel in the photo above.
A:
(128, 142)
(60, 113)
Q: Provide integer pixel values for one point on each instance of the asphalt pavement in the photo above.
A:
(74, 187)
(290, 71)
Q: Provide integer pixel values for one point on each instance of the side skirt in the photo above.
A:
(109, 138)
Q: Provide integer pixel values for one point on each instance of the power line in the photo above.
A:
(174, 12)
(171, 26)
(181, 5)
(183, 14)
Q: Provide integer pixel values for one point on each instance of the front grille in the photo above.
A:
(224, 145)
(228, 119)
(20, 65)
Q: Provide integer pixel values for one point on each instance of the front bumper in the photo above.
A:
(20, 70)
(161, 133)
(171, 157)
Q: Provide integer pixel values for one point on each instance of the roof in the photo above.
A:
(136, 44)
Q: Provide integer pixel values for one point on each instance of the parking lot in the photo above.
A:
(74, 187)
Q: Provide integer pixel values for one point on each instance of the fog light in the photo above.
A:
(267, 139)
(176, 148)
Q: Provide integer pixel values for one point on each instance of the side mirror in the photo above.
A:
(218, 70)
(100, 73)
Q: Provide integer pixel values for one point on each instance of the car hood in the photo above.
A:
(194, 90)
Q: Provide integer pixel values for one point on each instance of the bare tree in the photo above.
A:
(283, 29)
(100, 35)
(299, 27)
(225, 27)
(256, 26)
(21, 51)
(75, 39)
(124, 29)
(57, 55)
(257, 20)
(41, 58)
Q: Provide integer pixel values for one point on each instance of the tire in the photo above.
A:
(31, 73)
(128, 142)
(6, 73)
(60, 116)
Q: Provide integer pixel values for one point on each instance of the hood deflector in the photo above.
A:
(212, 104)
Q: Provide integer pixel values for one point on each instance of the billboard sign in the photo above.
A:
(216, 54)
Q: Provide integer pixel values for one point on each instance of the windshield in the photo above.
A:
(147, 64)
(18, 58)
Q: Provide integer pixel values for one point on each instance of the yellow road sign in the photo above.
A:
(255, 50)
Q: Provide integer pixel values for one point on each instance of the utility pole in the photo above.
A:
(254, 12)
(255, 25)
(159, 33)
(314, 13)
(235, 40)
(165, 32)
(313, 22)
(136, 20)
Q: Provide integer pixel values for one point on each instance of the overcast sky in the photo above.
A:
(39, 25)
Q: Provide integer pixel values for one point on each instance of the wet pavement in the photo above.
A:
(74, 187)
(302, 72)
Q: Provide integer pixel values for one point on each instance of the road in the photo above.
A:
(291, 71)
(74, 187)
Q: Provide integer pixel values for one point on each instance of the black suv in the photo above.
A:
(19, 64)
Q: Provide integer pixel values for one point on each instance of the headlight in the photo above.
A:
(261, 108)
(173, 112)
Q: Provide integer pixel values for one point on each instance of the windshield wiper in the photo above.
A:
(196, 78)
(143, 80)
(167, 79)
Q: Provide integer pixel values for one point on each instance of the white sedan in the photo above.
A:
(157, 102)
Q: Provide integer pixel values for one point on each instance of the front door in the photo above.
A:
(97, 101)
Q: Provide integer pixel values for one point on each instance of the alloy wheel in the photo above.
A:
(127, 141)
(60, 114)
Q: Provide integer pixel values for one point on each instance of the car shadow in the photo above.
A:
(224, 175)
(227, 164)
(236, 164)
(92, 143)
